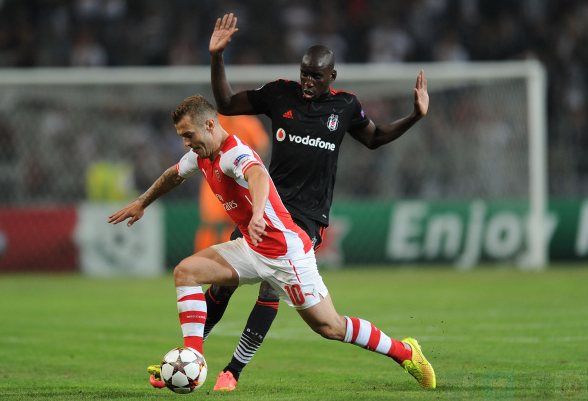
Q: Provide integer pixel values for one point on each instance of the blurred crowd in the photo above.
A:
(61, 33)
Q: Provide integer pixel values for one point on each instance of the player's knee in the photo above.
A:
(222, 293)
(188, 273)
(181, 274)
(266, 291)
(330, 332)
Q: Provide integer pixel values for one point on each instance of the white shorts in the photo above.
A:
(296, 280)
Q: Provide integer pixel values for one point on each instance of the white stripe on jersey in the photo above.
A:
(293, 241)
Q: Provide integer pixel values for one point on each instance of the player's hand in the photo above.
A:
(134, 210)
(257, 229)
(222, 34)
(421, 96)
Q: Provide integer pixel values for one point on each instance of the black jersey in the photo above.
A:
(306, 137)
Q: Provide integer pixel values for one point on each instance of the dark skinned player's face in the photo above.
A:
(315, 80)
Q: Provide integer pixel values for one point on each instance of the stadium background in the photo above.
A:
(56, 163)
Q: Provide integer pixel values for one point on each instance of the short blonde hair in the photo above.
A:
(197, 107)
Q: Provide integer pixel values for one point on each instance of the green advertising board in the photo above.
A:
(458, 232)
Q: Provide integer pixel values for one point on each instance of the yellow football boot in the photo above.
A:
(418, 366)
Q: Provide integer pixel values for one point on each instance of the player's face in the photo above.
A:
(314, 80)
(197, 138)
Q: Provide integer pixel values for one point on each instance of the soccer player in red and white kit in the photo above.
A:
(273, 247)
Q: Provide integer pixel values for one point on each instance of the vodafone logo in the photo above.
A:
(307, 140)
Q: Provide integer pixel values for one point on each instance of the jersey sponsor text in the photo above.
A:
(316, 142)
(230, 205)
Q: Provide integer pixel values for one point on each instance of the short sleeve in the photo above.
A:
(263, 98)
(188, 165)
(237, 161)
(358, 118)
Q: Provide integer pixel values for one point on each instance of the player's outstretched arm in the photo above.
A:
(373, 136)
(227, 102)
(135, 210)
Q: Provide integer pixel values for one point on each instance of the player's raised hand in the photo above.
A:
(421, 96)
(223, 32)
(133, 210)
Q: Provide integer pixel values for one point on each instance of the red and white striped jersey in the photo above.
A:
(226, 177)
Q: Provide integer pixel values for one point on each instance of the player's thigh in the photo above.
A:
(205, 267)
(324, 319)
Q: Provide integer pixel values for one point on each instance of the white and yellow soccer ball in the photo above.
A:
(183, 370)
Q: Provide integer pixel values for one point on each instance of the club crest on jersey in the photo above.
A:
(218, 176)
(333, 122)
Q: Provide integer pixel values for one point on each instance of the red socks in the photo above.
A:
(192, 312)
(364, 334)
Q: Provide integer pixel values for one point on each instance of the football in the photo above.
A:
(183, 370)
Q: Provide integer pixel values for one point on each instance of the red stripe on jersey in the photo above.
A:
(295, 272)
(356, 325)
(192, 317)
(193, 297)
(251, 163)
(374, 338)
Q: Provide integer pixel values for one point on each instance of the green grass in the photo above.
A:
(489, 333)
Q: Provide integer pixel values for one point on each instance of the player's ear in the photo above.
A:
(333, 76)
(210, 124)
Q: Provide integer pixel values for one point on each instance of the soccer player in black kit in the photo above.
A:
(309, 121)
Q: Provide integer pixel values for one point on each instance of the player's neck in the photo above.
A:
(219, 137)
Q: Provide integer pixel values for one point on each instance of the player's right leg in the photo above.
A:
(324, 320)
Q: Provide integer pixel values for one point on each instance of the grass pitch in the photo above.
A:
(489, 333)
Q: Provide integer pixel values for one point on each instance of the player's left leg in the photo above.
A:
(260, 320)
(324, 320)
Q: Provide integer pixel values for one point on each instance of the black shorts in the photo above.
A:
(313, 228)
